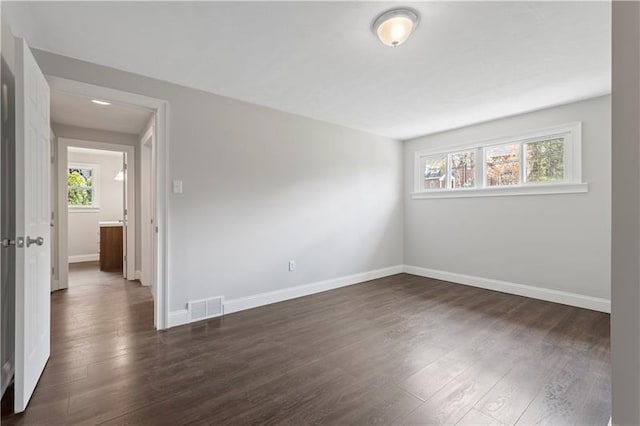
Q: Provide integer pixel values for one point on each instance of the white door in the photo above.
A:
(33, 243)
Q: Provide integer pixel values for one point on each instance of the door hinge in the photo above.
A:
(156, 229)
(53, 271)
(124, 167)
(126, 211)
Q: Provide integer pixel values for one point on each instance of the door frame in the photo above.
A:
(63, 210)
(161, 109)
(147, 237)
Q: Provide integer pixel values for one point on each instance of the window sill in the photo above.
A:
(89, 209)
(551, 188)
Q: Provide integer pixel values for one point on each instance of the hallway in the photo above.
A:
(89, 273)
(95, 326)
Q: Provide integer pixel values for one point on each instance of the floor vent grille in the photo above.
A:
(205, 308)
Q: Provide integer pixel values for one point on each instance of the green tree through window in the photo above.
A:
(545, 160)
(80, 186)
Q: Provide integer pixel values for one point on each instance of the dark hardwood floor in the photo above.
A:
(399, 350)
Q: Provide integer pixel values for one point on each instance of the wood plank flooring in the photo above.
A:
(399, 350)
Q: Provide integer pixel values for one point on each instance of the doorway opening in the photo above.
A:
(151, 183)
(101, 233)
(98, 196)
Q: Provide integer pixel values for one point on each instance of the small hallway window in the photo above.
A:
(82, 186)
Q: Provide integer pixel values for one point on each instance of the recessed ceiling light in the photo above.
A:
(99, 102)
(395, 26)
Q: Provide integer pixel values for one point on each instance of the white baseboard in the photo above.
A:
(84, 258)
(181, 317)
(177, 318)
(557, 296)
(243, 303)
(140, 278)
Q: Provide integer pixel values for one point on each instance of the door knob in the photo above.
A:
(37, 241)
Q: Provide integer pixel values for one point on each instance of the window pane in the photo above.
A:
(80, 183)
(80, 197)
(545, 160)
(503, 165)
(435, 172)
(463, 166)
(80, 176)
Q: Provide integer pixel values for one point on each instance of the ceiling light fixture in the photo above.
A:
(394, 26)
(99, 102)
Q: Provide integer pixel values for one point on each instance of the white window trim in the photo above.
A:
(96, 187)
(572, 183)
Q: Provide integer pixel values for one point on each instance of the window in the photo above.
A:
(82, 190)
(463, 169)
(448, 171)
(544, 161)
(435, 172)
(503, 165)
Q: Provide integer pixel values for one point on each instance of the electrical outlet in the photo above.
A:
(292, 265)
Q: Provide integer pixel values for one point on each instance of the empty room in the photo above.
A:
(314, 213)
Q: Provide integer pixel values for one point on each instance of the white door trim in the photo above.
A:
(161, 108)
(147, 236)
(63, 210)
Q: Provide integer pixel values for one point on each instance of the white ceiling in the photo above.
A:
(80, 111)
(467, 62)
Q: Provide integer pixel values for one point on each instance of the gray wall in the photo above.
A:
(81, 133)
(262, 187)
(625, 277)
(558, 242)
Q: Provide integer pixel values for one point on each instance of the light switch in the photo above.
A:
(177, 187)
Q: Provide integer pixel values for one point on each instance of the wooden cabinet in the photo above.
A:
(111, 248)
